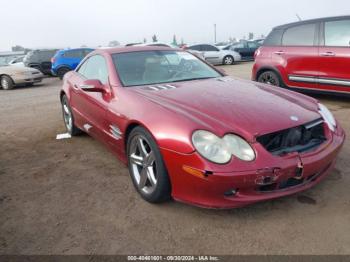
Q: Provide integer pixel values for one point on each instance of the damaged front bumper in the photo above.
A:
(272, 177)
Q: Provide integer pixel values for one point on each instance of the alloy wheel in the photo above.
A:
(228, 60)
(67, 115)
(4, 83)
(269, 78)
(143, 164)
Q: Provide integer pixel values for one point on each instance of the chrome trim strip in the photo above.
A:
(334, 82)
(318, 89)
(312, 124)
(162, 87)
(302, 79)
(330, 81)
(115, 132)
(154, 88)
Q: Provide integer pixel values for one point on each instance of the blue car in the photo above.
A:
(67, 60)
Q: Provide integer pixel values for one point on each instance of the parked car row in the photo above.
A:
(245, 48)
(211, 53)
(30, 69)
(215, 55)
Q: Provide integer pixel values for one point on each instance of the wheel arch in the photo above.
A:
(63, 66)
(131, 126)
(270, 68)
(62, 93)
(1, 75)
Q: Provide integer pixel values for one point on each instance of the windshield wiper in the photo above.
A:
(194, 78)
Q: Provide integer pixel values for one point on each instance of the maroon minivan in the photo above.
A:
(311, 55)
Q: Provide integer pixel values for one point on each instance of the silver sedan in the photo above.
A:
(216, 56)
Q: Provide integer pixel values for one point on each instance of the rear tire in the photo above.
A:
(146, 167)
(68, 118)
(228, 60)
(270, 78)
(62, 71)
(6, 82)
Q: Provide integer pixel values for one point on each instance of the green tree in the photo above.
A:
(174, 40)
(250, 36)
(154, 38)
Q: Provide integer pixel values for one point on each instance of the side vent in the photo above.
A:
(115, 131)
(161, 87)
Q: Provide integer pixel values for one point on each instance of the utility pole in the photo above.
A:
(214, 33)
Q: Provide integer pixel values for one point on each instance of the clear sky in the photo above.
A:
(72, 23)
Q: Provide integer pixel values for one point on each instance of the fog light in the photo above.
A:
(231, 192)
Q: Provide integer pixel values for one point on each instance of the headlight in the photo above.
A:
(220, 150)
(327, 116)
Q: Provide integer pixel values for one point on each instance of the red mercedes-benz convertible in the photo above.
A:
(188, 131)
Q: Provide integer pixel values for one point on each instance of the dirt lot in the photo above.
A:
(73, 197)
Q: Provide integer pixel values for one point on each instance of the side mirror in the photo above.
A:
(93, 85)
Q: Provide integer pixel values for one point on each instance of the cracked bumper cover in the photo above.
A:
(209, 191)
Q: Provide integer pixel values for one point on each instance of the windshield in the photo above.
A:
(155, 67)
(4, 60)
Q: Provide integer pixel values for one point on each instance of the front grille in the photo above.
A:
(302, 138)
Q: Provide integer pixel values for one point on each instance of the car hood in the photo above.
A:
(224, 105)
(13, 69)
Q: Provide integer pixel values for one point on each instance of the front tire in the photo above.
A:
(270, 78)
(6, 83)
(69, 118)
(146, 167)
(228, 60)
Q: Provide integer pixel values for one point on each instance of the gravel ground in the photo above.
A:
(73, 197)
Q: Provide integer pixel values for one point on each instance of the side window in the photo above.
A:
(274, 38)
(209, 48)
(46, 55)
(252, 45)
(86, 52)
(96, 68)
(195, 47)
(74, 54)
(302, 35)
(239, 45)
(337, 33)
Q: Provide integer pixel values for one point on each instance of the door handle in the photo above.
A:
(327, 54)
(279, 52)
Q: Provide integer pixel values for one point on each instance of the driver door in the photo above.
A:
(91, 106)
